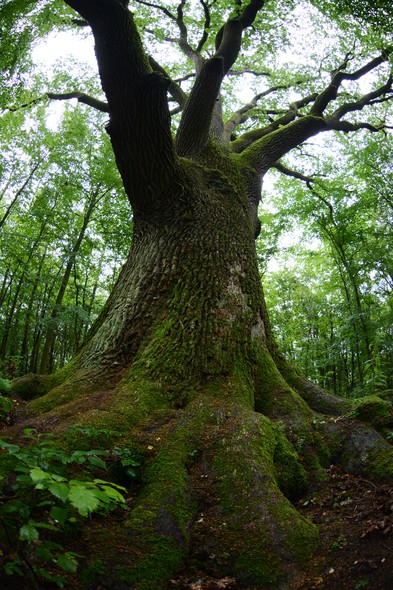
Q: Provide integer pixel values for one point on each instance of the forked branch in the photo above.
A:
(263, 147)
(193, 134)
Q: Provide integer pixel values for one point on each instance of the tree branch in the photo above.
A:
(184, 45)
(330, 93)
(245, 71)
(194, 128)
(294, 174)
(158, 7)
(99, 105)
(174, 89)
(139, 124)
(205, 34)
(264, 153)
(263, 147)
(247, 139)
(381, 94)
(243, 113)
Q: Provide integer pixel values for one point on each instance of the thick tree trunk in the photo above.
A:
(182, 360)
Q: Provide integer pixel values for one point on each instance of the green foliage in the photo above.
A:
(45, 502)
(49, 197)
(51, 173)
(5, 408)
(5, 385)
(329, 288)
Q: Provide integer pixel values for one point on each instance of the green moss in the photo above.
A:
(60, 388)
(27, 387)
(375, 411)
(387, 394)
(93, 570)
(250, 499)
(161, 559)
(290, 473)
(380, 465)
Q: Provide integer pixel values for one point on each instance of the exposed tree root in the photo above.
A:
(218, 479)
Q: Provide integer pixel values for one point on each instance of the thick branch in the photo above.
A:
(184, 45)
(347, 127)
(193, 133)
(243, 113)
(174, 88)
(247, 139)
(265, 152)
(139, 125)
(382, 94)
(197, 116)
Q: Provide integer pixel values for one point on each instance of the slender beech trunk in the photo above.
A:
(24, 353)
(18, 193)
(47, 351)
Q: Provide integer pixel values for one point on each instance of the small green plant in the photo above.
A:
(128, 460)
(43, 500)
(362, 584)
(5, 408)
(5, 385)
(339, 543)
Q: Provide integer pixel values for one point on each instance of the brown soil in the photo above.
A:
(355, 520)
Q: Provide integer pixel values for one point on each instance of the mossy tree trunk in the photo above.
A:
(182, 357)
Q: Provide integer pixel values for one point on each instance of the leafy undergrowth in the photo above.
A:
(355, 520)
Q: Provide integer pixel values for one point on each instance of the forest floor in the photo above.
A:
(355, 521)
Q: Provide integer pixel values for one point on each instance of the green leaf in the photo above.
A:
(111, 483)
(67, 562)
(5, 404)
(113, 494)
(10, 447)
(97, 462)
(15, 506)
(28, 532)
(58, 514)
(60, 490)
(83, 499)
(38, 475)
(12, 567)
(43, 553)
(5, 385)
(78, 457)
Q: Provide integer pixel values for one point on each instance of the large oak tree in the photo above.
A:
(182, 358)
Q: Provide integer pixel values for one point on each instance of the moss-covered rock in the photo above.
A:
(27, 387)
(376, 410)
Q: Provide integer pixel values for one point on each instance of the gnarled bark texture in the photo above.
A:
(182, 358)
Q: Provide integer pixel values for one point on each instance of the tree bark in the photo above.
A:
(182, 358)
(183, 361)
